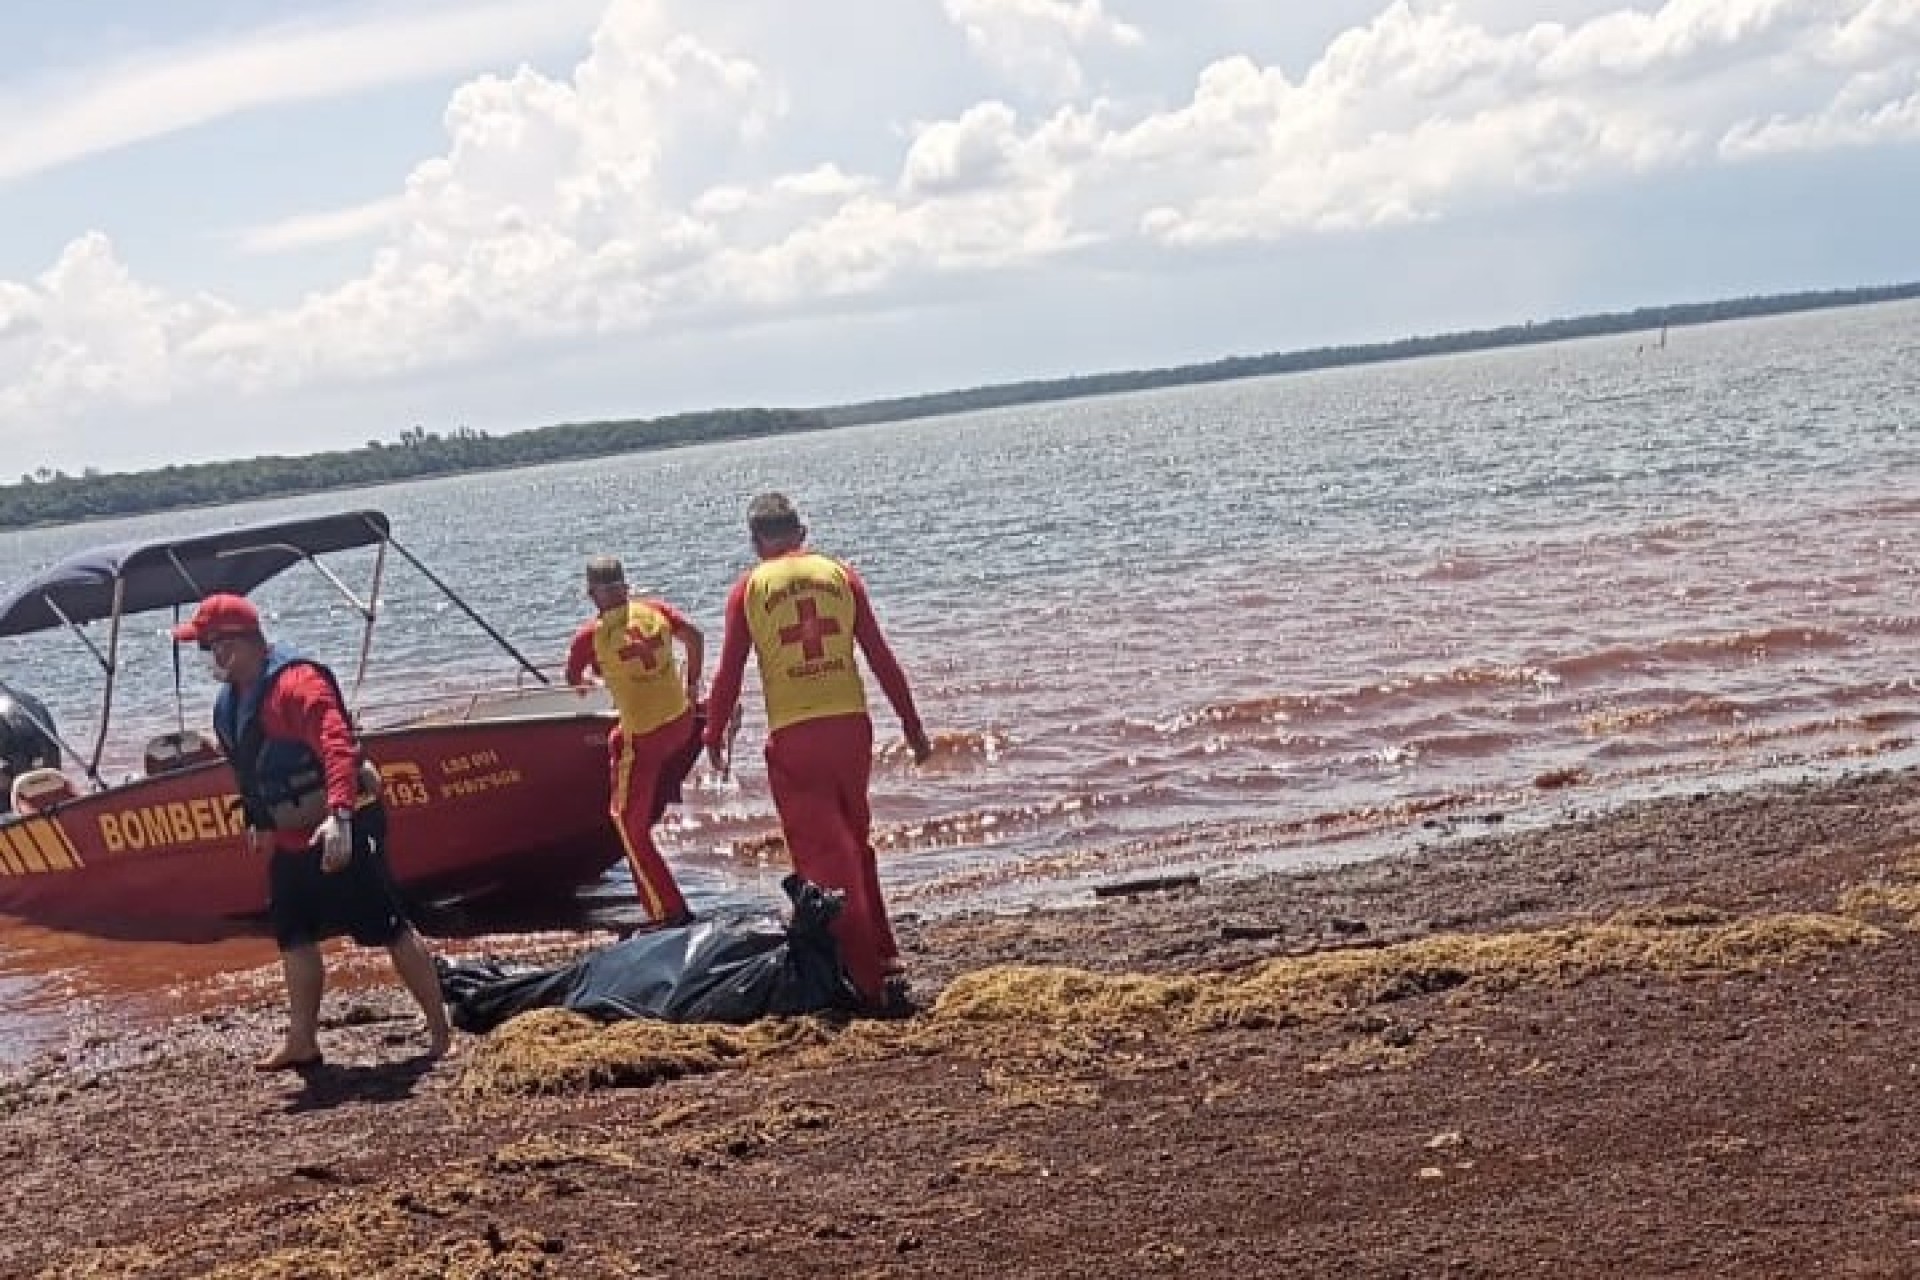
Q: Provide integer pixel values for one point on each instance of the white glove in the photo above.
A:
(335, 840)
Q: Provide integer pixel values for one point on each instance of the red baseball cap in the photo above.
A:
(220, 615)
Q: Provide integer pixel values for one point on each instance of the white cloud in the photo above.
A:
(1878, 48)
(825, 181)
(1882, 29)
(671, 183)
(95, 109)
(1034, 42)
(329, 226)
(970, 153)
(93, 333)
(1422, 112)
(1681, 36)
(1869, 112)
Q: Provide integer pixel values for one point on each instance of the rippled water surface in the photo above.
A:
(1252, 622)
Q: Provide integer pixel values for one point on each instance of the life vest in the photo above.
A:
(800, 612)
(279, 778)
(633, 646)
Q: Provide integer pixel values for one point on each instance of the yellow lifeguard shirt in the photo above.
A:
(800, 612)
(633, 649)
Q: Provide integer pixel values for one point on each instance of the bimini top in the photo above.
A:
(176, 571)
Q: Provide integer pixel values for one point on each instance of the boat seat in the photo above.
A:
(179, 750)
(38, 790)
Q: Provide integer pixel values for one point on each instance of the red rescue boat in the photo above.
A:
(504, 792)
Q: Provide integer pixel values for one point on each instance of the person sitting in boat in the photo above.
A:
(282, 721)
(655, 744)
(26, 740)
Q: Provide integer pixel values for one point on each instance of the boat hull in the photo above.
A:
(476, 808)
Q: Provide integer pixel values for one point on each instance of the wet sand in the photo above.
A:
(1675, 1039)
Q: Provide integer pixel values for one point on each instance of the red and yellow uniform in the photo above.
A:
(803, 614)
(631, 647)
(302, 706)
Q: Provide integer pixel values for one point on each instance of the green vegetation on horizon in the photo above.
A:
(54, 497)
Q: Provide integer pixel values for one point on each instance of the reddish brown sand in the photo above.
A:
(1677, 1040)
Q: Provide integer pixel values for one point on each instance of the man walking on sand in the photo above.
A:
(804, 613)
(630, 645)
(282, 722)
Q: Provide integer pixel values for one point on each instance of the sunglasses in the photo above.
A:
(211, 643)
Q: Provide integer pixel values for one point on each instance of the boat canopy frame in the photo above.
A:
(111, 583)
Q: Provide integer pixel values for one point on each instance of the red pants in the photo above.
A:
(818, 771)
(647, 770)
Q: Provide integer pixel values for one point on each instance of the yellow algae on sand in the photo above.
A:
(1898, 897)
(1016, 1009)
(1293, 989)
(556, 1051)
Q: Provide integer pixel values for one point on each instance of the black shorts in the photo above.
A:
(308, 905)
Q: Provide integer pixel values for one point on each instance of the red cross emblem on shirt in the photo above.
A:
(643, 649)
(810, 631)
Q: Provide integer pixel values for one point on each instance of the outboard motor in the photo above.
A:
(24, 743)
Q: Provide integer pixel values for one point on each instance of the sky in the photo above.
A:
(242, 227)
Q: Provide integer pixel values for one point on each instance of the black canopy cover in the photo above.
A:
(175, 571)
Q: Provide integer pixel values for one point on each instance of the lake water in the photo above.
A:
(1248, 624)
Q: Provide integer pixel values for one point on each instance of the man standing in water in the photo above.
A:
(657, 740)
(804, 613)
(282, 721)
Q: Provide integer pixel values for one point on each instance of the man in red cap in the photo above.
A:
(803, 614)
(282, 722)
(630, 645)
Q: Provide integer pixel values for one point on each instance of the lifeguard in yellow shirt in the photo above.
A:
(630, 646)
(804, 614)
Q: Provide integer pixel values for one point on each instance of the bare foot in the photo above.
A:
(439, 1042)
(290, 1058)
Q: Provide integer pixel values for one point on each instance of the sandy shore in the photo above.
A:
(1678, 1039)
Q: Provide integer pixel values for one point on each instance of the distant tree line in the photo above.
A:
(54, 497)
(48, 496)
(1099, 384)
